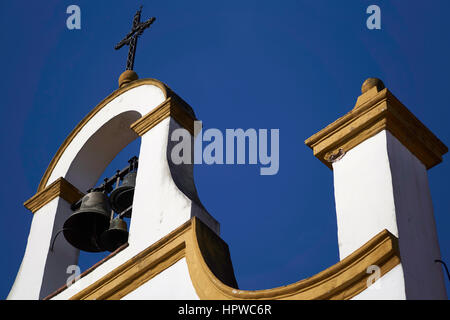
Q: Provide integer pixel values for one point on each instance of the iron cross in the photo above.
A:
(131, 38)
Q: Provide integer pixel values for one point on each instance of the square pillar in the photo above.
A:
(380, 153)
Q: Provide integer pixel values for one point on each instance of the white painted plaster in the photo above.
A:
(99, 146)
(363, 194)
(380, 185)
(162, 208)
(172, 284)
(418, 241)
(96, 274)
(389, 287)
(38, 259)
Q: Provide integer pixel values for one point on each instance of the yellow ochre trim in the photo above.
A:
(139, 269)
(212, 275)
(374, 112)
(90, 115)
(60, 188)
(171, 107)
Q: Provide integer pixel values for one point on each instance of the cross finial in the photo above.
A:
(137, 29)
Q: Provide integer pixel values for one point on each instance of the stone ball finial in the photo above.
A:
(370, 83)
(126, 77)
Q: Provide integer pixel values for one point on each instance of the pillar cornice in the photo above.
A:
(60, 188)
(171, 107)
(377, 110)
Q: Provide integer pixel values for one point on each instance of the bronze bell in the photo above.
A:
(122, 197)
(115, 236)
(84, 227)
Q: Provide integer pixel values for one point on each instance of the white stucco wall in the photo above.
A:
(363, 194)
(173, 283)
(389, 287)
(159, 204)
(380, 185)
(418, 241)
(38, 259)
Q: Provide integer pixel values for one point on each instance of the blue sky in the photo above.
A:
(292, 65)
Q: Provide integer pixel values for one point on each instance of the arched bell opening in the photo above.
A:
(102, 152)
(101, 148)
(88, 259)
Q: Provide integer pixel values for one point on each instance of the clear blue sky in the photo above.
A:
(292, 65)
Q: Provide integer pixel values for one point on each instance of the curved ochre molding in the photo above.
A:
(212, 275)
(164, 88)
(59, 188)
(171, 107)
(375, 111)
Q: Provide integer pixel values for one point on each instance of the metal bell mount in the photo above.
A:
(92, 227)
(122, 196)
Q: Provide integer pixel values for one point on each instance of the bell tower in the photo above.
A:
(164, 195)
(157, 196)
(379, 153)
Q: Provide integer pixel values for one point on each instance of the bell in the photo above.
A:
(84, 227)
(122, 197)
(115, 236)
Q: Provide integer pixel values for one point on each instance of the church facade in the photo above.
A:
(379, 153)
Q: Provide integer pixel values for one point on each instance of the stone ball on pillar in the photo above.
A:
(370, 83)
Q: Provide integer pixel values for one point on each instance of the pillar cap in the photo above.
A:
(376, 109)
(370, 83)
(126, 77)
